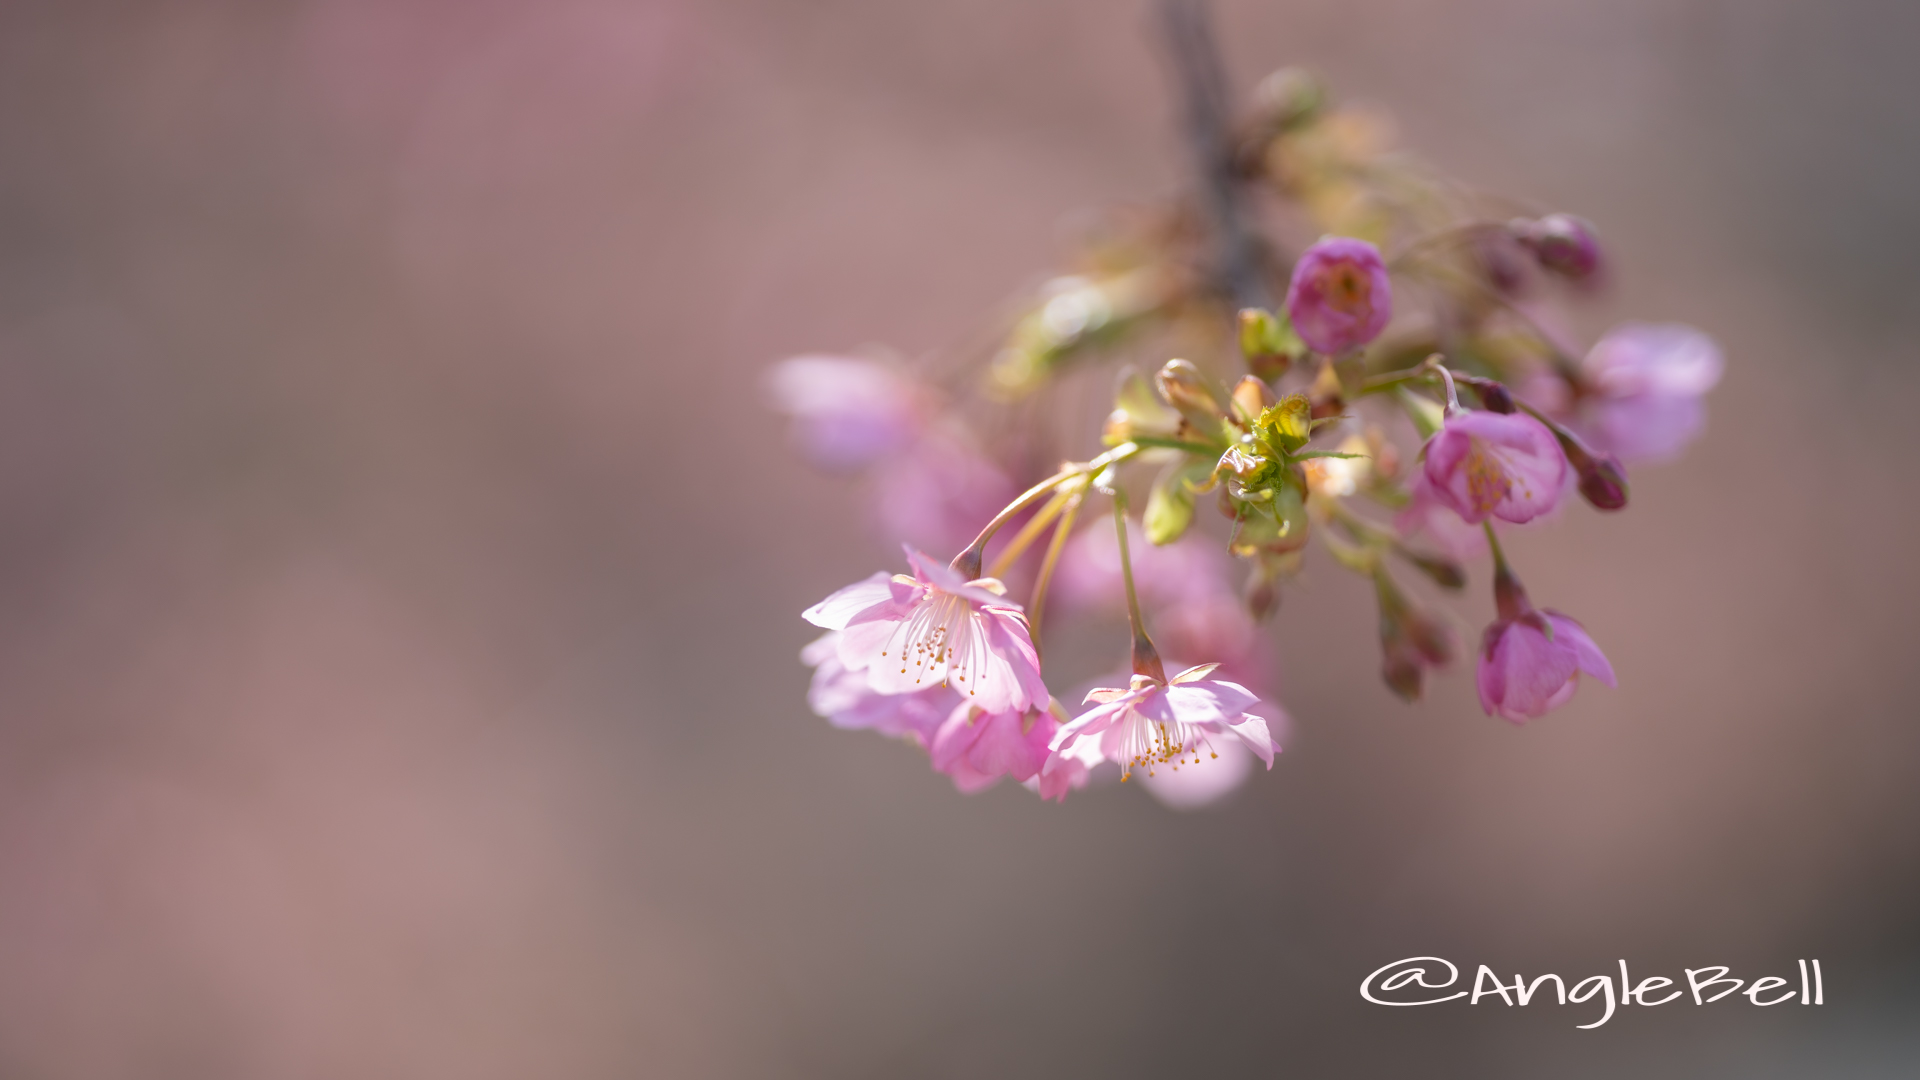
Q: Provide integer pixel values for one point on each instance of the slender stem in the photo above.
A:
(1509, 596)
(1154, 442)
(1380, 383)
(968, 561)
(1453, 395)
(1452, 235)
(1146, 659)
(1028, 533)
(1568, 439)
(1036, 606)
(1499, 555)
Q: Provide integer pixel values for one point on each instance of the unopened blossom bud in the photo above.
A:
(1563, 244)
(1340, 297)
(1249, 399)
(1483, 464)
(1493, 395)
(1603, 480)
(1268, 343)
(1190, 392)
(1411, 641)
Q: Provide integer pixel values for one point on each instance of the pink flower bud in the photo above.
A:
(1340, 297)
(1603, 482)
(1564, 245)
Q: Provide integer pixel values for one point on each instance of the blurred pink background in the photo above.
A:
(400, 577)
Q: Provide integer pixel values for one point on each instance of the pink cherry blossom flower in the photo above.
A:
(936, 628)
(977, 748)
(1154, 723)
(1529, 664)
(846, 700)
(847, 413)
(1339, 297)
(1487, 464)
(1647, 382)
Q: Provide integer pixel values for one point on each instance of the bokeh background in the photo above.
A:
(399, 574)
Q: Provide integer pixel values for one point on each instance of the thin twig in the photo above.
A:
(1187, 36)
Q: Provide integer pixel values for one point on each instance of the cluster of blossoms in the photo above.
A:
(1348, 423)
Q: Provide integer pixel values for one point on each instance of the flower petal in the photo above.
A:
(1590, 658)
(836, 611)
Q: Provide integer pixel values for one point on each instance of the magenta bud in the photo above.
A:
(1493, 395)
(1563, 244)
(1603, 481)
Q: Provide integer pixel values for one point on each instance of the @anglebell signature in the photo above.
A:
(1413, 980)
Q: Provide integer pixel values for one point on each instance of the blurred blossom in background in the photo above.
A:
(399, 563)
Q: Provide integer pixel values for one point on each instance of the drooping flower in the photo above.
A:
(977, 748)
(848, 413)
(1529, 665)
(935, 628)
(1486, 464)
(1154, 723)
(1530, 658)
(847, 701)
(1340, 297)
(1646, 383)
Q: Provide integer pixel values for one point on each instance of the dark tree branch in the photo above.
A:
(1186, 33)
